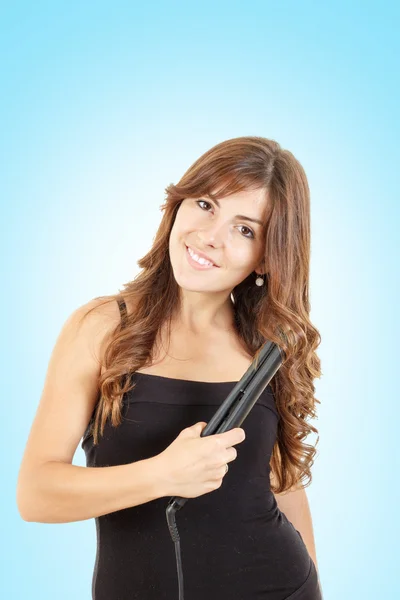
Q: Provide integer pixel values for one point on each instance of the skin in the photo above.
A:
(206, 302)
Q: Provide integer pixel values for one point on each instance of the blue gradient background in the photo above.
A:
(103, 104)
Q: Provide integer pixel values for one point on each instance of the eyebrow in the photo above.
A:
(243, 217)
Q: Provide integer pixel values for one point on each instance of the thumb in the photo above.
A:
(198, 427)
(194, 430)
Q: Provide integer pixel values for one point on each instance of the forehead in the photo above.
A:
(249, 203)
(254, 196)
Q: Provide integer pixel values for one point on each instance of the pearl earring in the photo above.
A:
(259, 281)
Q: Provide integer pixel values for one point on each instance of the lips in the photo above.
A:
(202, 255)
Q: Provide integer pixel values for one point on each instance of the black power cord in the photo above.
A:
(175, 536)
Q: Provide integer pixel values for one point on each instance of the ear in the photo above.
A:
(260, 270)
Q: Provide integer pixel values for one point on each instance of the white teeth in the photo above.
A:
(202, 261)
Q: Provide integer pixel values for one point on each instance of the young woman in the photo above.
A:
(138, 375)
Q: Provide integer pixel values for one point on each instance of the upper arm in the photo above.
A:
(291, 501)
(70, 390)
(294, 488)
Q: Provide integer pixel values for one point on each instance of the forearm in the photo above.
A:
(62, 493)
(296, 508)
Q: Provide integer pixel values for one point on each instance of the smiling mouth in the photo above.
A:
(198, 264)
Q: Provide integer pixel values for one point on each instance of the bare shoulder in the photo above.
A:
(98, 319)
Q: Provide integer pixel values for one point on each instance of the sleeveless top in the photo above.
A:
(235, 542)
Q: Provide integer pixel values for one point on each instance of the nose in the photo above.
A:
(214, 234)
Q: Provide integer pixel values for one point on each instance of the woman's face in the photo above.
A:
(233, 243)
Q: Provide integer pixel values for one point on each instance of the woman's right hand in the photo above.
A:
(193, 465)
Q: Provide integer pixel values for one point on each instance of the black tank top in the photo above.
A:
(235, 542)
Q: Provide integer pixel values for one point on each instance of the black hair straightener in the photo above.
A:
(229, 415)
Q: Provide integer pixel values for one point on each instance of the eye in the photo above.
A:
(252, 236)
(205, 202)
(251, 231)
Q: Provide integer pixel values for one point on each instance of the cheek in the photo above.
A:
(183, 217)
(240, 253)
(186, 224)
(179, 234)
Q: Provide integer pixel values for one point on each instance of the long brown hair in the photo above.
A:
(278, 312)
